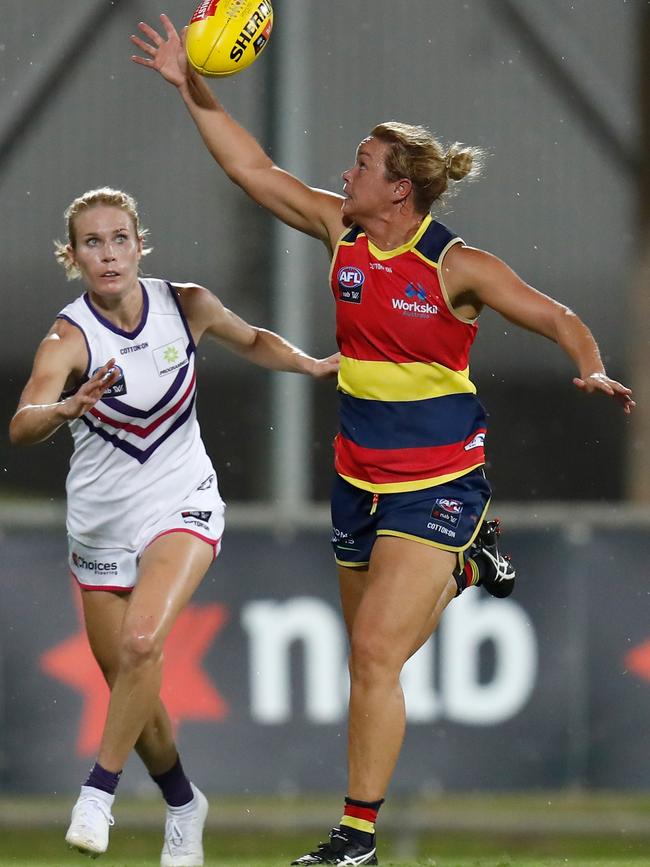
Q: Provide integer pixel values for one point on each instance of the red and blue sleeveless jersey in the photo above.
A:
(409, 415)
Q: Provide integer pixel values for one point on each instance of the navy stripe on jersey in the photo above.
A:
(125, 408)
(141, 455)
(351, 236)
(434, 241)
(130, 335)
(74, 390)
(376, 424)
(181, 313)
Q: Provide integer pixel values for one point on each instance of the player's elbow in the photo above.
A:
(20, 431)
(17, 434)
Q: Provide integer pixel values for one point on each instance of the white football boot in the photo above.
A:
(183, 846)
(91, 818)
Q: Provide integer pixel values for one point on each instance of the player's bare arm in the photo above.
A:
(207, 315)
(312, 211)
(474, 279)
(59, 363)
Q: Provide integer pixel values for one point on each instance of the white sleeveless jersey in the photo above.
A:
(138, 451)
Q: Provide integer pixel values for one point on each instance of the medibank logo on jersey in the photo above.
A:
(92, 565)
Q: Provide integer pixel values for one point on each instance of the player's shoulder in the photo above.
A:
(64, 345)
(64, 330)
(200, 305)
(192, 295)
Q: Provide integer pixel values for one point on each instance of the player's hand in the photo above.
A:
(612, 388)
(91, 391)
(326, 368)
(166, 55)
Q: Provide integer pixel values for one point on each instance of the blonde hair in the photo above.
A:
(90, 199)
(414, 153)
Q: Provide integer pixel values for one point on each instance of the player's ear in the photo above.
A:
(402, 189)
(69, 250)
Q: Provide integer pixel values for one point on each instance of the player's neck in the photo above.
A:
(123, 311)
(389, 234)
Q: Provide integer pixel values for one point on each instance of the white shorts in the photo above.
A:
(201, 514)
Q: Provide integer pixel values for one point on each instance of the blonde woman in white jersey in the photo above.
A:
(145, 517)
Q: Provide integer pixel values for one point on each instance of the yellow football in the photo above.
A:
(225, 36)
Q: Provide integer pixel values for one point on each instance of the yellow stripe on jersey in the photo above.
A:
(382, 255)
(402, 487)
(392, 381)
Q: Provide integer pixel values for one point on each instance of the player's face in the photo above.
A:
(366, 188)
(107, 250)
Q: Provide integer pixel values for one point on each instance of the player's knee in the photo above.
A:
(139, 648)
(372, 659)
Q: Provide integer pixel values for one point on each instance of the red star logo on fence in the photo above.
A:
(638, 660)
(187, 691)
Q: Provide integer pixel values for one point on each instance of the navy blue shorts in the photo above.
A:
(446, 516)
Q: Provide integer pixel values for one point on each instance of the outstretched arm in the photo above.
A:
(61, 355)
(315, 212)
(207, 315)
(475, 279)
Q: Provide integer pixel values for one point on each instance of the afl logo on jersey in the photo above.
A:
(350, 282)
(119, 386)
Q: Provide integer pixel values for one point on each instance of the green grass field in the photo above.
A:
(607, 830)
(133, 848)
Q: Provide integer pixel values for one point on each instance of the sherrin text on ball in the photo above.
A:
(226, 36)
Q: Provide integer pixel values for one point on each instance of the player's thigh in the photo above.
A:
(408, 583)
(104, 615)
(170, 570)
(352, 586)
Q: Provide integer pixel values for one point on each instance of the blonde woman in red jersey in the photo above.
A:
(411, 494)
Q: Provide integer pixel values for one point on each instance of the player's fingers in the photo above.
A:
(105, 371)
(142, 45)
(142, 61)
(170, 30)
(155, 37)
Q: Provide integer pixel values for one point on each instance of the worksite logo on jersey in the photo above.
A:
(170, 357)
(416, 302)
(350, 282)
